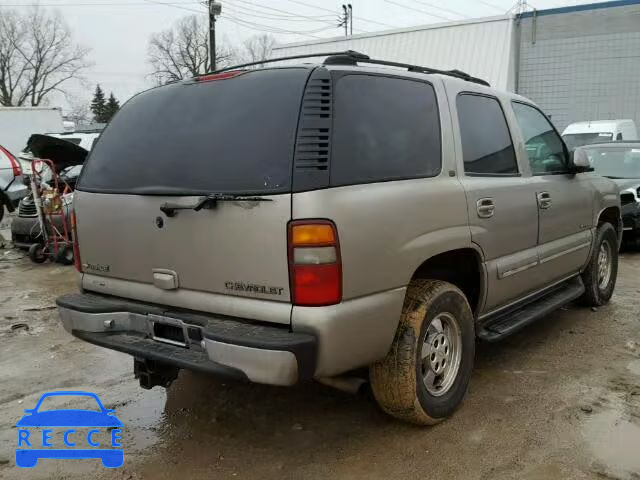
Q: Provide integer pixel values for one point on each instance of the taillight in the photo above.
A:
(76, 249)
(315, 269)
(15, 166)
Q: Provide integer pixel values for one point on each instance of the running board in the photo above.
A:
(506, 323)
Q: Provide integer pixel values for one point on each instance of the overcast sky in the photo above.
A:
(117, 31)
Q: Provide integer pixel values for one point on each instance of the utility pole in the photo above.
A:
(215, 9)
(345, 20)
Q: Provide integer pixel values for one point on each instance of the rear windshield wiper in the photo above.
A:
(208, 202)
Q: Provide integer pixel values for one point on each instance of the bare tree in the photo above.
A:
(259, 47)
(183, 50)
(78, 110)
(37, 56)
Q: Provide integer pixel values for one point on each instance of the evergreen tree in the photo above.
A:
(98, 106)
(111, 107)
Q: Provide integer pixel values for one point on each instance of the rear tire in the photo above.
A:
(599, 277)
(36, 253)
(1, 210)
(425, 375)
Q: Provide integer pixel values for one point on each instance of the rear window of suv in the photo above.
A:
(235, 136)
(384, 128)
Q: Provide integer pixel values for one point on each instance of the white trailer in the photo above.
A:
(17, 124)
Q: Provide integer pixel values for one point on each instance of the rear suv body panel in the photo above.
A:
(219, 261)
(229, 257)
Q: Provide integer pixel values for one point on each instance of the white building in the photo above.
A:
(482, 47)
(578, 63)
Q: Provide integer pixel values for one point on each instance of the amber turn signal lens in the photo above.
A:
(312, 234)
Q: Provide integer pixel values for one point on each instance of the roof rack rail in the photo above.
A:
(346, 53)
(346, 59)
(351, 57)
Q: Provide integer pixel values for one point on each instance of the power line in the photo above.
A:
(260, 14)
(255, 15)
(174, 6)
(418, 10)
(275, 29)
(491, 5)
(327, 10)
(98, 4)
(271, 29)
(278, 16)
(309, 17)
(280, 11)
(442, 8)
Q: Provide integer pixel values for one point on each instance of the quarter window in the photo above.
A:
(487, 148)
(544, 147)
(385, 128)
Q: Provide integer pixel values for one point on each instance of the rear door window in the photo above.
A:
(235, 136)
(487, 148)
(385, 128)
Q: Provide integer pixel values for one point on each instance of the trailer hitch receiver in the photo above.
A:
(151, 373)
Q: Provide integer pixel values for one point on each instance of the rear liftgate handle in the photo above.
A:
(485, 207)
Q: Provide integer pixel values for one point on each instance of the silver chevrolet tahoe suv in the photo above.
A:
(298, 222)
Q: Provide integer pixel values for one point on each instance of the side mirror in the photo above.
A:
(580, 161)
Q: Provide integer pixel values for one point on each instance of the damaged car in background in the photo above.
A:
(12, 189)
(68, 156)
(620, 161)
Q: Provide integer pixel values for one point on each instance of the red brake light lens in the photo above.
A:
(219, 76)
(316, 285)
(315, 269)
(15, 166)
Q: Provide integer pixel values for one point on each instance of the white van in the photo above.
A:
(598, 131)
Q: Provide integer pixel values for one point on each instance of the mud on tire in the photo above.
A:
(597, 291)
(398, 381)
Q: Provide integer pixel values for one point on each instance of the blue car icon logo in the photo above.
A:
(69, 425)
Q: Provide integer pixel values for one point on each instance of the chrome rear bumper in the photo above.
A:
(229, 346)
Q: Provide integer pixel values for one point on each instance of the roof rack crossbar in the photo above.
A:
(350, 53)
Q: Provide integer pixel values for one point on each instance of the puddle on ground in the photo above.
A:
(142, 419)
(634, 367)
(614, 442)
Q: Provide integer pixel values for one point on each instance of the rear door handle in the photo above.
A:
(544, 200)
(485, 207)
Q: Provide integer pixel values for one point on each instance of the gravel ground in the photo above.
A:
(560, 400)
